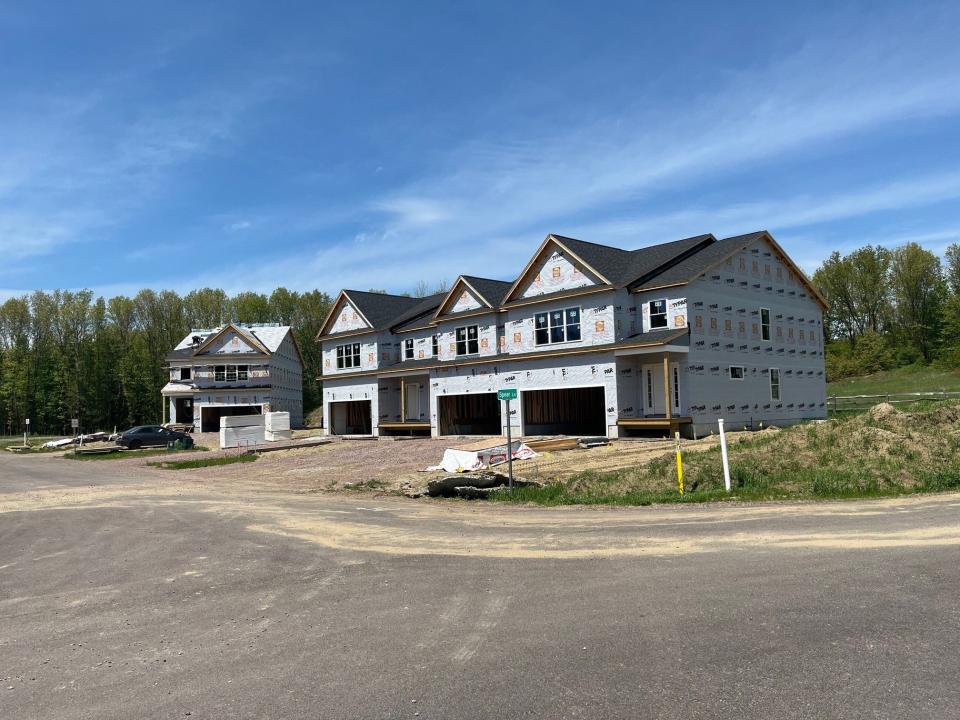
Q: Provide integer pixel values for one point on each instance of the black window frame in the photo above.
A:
(778, 396)
(465, 344)
(546, 331)
(651, 314)
(765, 326)
(348, 356)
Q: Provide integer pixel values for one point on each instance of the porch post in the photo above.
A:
(403, 399)
(666, 385)
(163, 409)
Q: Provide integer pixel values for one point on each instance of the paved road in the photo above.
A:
(128, 593)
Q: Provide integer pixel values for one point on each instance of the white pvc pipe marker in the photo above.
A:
(723, 453)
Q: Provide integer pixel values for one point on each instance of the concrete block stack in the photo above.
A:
(241, 431)
(277, 426)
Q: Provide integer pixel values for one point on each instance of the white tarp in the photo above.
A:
(470, 460)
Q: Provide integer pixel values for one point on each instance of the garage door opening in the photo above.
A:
(573, 411)
(469, 414)
(210, 415)
(352, 417)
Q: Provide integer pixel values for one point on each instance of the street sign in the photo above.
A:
(74, 423)
(508, 394)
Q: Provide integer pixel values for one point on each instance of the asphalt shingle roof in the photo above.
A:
(654, 266)
(691, 266)
(622, 267)
(382, 309)
(493, 291)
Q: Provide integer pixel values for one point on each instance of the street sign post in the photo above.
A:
(26, 432)
(508, 394)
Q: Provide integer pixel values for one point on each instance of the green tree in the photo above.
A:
(918, 290)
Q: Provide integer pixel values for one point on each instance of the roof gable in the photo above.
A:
(470, 293)
(346, 317)
(554, 268)
(231, 340)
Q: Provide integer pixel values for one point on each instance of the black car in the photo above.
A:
(152, 435)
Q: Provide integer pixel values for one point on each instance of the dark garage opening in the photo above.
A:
(573, 411)
(351, 418)
(469, 414)
(210, 415)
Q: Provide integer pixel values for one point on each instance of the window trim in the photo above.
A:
(466, 340)
(779, 396)
(743, 372)
(351, 350)
(665, 313)
(766, 325)
(565, 324)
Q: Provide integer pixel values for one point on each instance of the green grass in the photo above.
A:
(204, 462)
(912, 378)
(127, 454)
(875, 454)
(34, 442)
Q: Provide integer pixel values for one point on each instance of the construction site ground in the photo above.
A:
(389, 464)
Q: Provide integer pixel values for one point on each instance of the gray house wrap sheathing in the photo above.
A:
(596, 339)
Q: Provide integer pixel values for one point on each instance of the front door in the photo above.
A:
(412, 402)
(652, 390)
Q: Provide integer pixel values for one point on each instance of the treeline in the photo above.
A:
(70, 355)
(890, 308)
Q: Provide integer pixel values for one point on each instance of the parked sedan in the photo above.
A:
(152, 436)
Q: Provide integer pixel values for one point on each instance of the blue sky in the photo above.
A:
(249, 145)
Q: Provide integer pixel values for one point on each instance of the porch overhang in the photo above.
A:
(173, 389)
(654, 350)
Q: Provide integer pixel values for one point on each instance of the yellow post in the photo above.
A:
(679, 465)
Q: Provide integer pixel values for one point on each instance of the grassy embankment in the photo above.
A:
(127, 454)
(878, 453)
(204, 462)
(912, 378)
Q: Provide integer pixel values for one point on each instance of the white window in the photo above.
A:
(185, 373)
(242, 372)
(765, 323)
(736, 372)
(467, 340)
(658, 314)
(220, 373)
(557, 326)
(231, 373)
(348, 356)
(436, 345)
(774, 383)
(408, 349)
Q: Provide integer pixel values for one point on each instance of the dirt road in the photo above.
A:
(129, 592)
